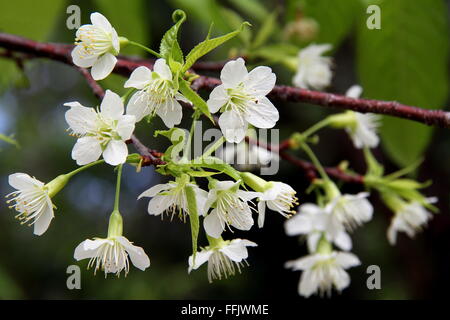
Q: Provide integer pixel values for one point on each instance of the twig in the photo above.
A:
(125, 66)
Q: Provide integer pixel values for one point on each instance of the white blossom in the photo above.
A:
(111, 255)
(241, 98)
(363, 132)
(313, 70)
(32, 200)
(351, 210)
(279, 197)
(171, 198)
(223, 259)
(230, 208)
(100, 132)
(411, 218)
(97, 44)
(314, 222)
(323, 271)
(156, 94)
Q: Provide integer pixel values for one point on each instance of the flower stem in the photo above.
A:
(214, 147)
(315, 161)
(119, 176)
(156, 54)
(74, 172)
(316, 127)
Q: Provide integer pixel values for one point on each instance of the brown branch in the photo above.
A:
(125, 66)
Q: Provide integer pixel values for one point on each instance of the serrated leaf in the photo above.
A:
(406, 61)
(193, 217)
(169, 47)
(208, 45)
(129, 18)
(192, 96)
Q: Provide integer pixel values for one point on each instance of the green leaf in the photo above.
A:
(335, 18)
(267, 28)
(9, 140)
(192, 96)
(406, 61)
(169, 47)
(26, 20)
(193, 217)
(234, 20)
(209, 44)
(202, 174)
(177, 136)
(129, 18)
(252, 8)
(215, 164)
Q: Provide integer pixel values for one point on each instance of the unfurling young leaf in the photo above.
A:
(208, 45)
(169, 47)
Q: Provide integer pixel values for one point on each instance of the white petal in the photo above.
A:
(116, 152)
(171, 113)
(103, 66)
(139, 78)
(100, 21)
(86, 150)
(112, 105)
(261, 81)
(159, 203)
(233, 73)
(80, 119)
(21, 181)
(298, 224)
(225, 185)
(137, 255)
(162, 69)
(217, 98)
(308, 284)
(303, 263)
(262, 114)
(233, 127)
(125, 126)
(88, 248)
(343, 241)
(261, 213)
(115, 40)
(213, 225)
(247, 195)
(347, 260)
(312, 240)
(341, 279)
(235, 251)
(41, 225)
(201, 196)
(354, 91)
(138, 105)
(153, 191)
(81, 58)
(200, 258)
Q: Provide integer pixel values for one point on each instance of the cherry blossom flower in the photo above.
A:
(156, 94)
(111, 255)
(410, 218)
(323, 271)
(171, 198)
(97, 44)
(33, 199)
(241, 98)
(230, 208)
(100, 132)
(279, 197)
(313, 70)
(223, 258)
(314, 222)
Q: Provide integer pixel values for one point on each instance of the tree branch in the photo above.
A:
(125, 66)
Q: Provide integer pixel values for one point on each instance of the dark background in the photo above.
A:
(35, 267)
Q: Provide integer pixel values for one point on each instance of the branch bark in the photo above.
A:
(124, 66)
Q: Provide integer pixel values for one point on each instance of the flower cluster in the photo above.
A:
(207, 191)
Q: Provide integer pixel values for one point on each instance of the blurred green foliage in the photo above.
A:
(407, 61)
